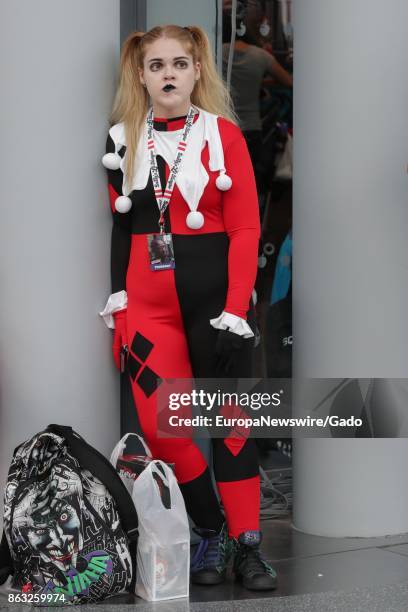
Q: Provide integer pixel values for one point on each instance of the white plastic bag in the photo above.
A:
(121, 445)
(127, 479)
(163, 551)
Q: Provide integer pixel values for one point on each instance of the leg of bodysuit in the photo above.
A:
(236, 462)
(158, 349)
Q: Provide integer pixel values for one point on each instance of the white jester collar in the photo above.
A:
(192, 177)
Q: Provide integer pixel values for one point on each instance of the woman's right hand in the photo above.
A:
(119, 335)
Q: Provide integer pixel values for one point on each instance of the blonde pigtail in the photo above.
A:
(131, 101)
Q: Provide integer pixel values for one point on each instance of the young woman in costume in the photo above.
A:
(192, 317)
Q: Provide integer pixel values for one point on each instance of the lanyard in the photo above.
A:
(163, 198)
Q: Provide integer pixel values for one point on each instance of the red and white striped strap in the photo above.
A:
(163, 197)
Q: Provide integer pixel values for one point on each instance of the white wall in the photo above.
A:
(58, 65)
(350, 289)
(351, 188)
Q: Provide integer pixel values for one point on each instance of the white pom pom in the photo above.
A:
(223, 182)
(195, 220)
(111, 161)
(123, 204)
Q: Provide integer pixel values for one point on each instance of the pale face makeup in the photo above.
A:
(169, 74)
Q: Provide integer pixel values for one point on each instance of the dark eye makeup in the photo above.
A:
(156, 65)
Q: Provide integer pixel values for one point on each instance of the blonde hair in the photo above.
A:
(132, 99)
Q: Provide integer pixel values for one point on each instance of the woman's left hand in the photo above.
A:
(227, 349)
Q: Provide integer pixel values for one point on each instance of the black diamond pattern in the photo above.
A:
(133, 366)
(148, 381)
(141, 346)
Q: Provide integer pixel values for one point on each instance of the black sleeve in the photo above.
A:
(122, 226)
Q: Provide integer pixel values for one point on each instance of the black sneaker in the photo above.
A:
(209, 562)
(249, 566)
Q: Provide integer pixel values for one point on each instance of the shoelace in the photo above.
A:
(254, 563)
(207, 553)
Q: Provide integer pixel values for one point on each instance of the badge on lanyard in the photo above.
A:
(161, 252)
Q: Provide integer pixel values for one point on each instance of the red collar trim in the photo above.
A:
(169, 124)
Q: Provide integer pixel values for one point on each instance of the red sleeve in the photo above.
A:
(242, 224)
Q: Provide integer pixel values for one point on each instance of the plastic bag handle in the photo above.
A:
(121, 445)
(152, 467)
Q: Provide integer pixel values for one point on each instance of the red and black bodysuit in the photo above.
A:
(169, 311)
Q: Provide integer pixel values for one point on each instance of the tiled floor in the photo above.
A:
(315, 573)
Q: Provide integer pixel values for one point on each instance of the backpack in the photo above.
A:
(70, 526)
